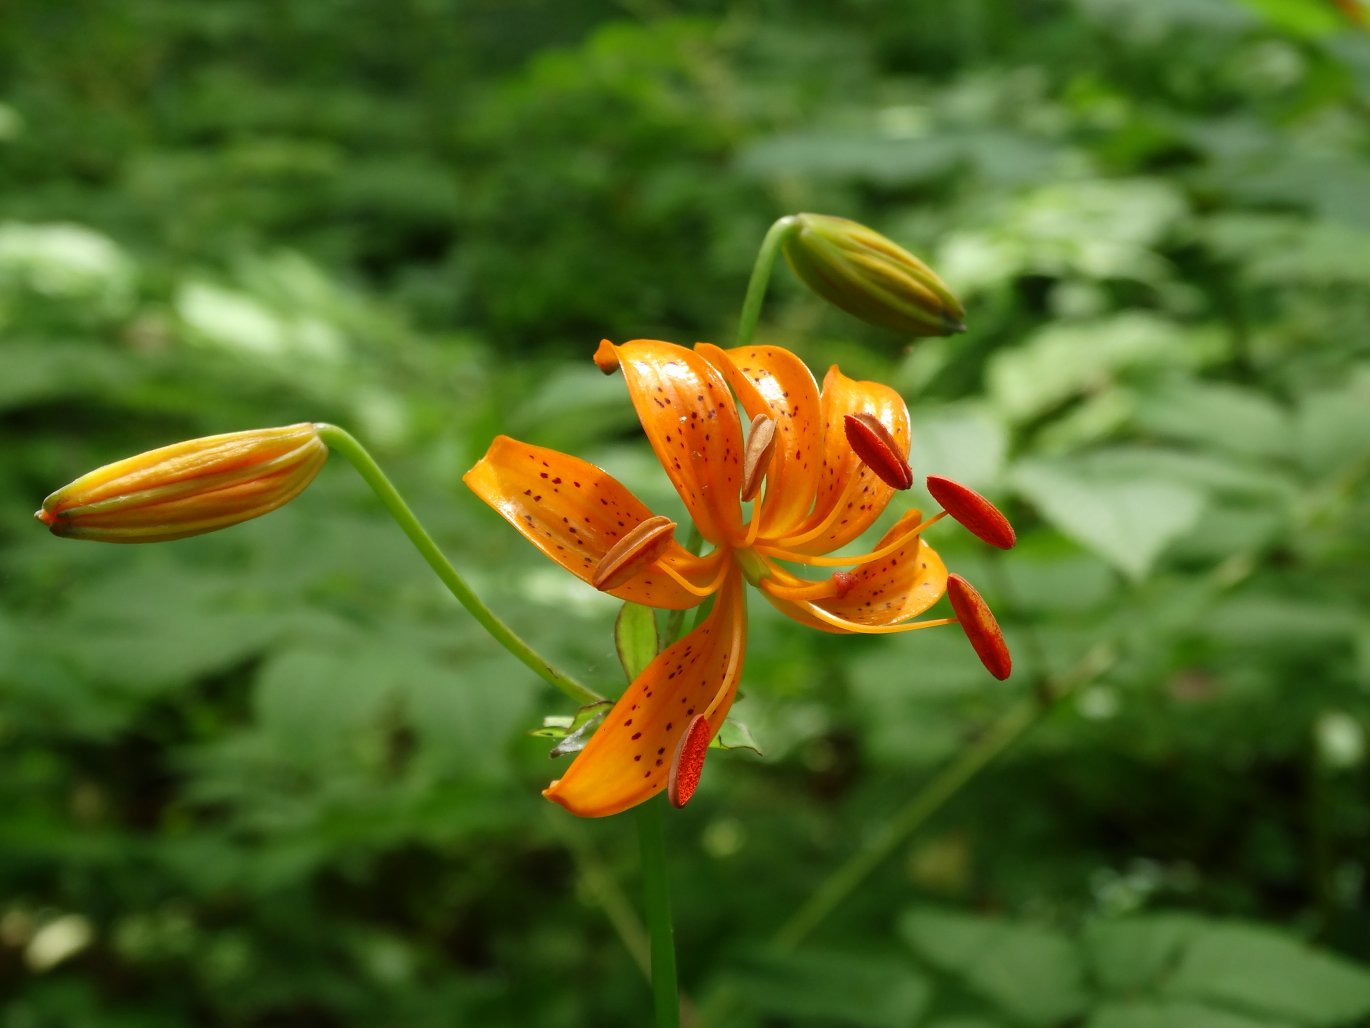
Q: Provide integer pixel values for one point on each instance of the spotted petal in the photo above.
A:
(691, 420)
(772, 381)
(850, 495)
(575, 512)
(880, 593)
(628, 759)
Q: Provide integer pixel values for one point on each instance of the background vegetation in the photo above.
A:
(276, 778)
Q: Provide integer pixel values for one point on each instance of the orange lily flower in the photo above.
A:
(830, 463)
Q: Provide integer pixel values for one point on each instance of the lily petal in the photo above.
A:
(691, 420)
(629, 757)
(575, 512)
(772, 381)
(850, 495)
(882, 592)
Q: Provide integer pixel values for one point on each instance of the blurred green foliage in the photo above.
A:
(275, 777)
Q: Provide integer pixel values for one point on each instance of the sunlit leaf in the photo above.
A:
(635, 638)
(734, 735)
(1265, 972)
(1063, 361)
(1030, 973)
(1128, 522)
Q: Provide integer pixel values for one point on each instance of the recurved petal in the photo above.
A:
(850, 495)
(575, 512)
(773, 381)
(881, 592)
(691, 420)
(629, 757)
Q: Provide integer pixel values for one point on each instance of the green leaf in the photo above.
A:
(1136, 953)
(833, 988)
(1063, 361)
(310, 700)
(1298, 16)
(1265, 972)
(635, 638)
(575, 740)
(1090, 229)
(576, 729)
(734, 735)
(1128, 522)
(962, 441)
(1330, 424)
(1217, 415)
(463, 715)
(1029, 972)
(1171, 1015)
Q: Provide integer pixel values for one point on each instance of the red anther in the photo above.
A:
(688, 763)
(978, 622)
(606, 358)
(980, 517)
(644, 544)
(871, 440)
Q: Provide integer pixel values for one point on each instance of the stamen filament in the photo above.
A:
(737, 645)
(780, 573)
(852, 626)
(753, 528)
(826, 589)
(690, 587)
(859, 558)
(853, 480)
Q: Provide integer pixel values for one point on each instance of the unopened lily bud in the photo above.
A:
(871, 277)
(188, 488)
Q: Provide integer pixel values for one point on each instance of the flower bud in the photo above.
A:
(188, 488)
(871, 277)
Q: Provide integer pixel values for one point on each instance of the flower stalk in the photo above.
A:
(346, 446)
(657, 896)
(771, 247)
(909, 818)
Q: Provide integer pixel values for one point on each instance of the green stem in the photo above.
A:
(343, 443)
(665, 992)
(612, 900)
(761, 276)
(930, 799)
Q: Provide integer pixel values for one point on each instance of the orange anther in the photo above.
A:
(688, 763)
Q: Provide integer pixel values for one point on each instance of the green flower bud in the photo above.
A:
(871, 277)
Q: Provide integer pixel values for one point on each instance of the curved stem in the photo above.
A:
(343, 443)
(931, 798)
(665, 991)
(761, 276)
